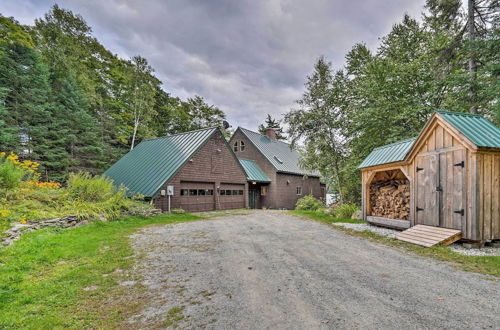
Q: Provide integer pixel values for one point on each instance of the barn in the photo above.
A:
(447, 177)
(199, 167)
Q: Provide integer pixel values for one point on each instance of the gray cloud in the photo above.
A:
(248, 57)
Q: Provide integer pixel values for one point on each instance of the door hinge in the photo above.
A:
(439, 188)
(419, 169)
(419, 209)
(461, 212)
(461, 164)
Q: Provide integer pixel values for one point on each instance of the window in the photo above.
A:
(235, 146)
(263, 190)
(299, 190)
(240, 192)
(242, 146)
(210, 192)
(235, 192)
(228, 192)
(193, 192)
(222, 192)
(184, 192)
(201, 192)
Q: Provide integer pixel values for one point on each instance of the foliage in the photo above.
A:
(64, 263)
(87, 188)
(383, 96)
(308, 203)
(177, 211)
(344, 210)
(270, 122)
(323, 217)
(72, 105)
(11, 174)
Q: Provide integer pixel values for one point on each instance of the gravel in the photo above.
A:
(457, 247)
(485, 251)
(364, 226)
(271, 270)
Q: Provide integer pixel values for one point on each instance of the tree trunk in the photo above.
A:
(136, 126)
(472, 63)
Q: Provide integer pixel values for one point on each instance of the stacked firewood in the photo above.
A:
(390, 199)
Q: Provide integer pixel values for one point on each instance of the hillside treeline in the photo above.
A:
(70, 104)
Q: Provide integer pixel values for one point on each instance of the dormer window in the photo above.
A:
(242, 146)
(236, 146)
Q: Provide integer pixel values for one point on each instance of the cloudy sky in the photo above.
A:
(248, 57)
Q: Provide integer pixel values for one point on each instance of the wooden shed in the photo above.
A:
(448, 176)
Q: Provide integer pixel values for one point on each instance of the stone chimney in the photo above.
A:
(271, 133)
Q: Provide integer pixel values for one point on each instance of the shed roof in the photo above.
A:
(279, 154)
(151, 163)
(253, 171)
(389, 153)
(476, 128)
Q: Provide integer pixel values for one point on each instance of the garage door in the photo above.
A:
(232, 196)
(196, 196)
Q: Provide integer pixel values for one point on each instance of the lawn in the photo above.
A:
(55, 278)
(489, 265)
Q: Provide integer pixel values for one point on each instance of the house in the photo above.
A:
(449, 177)
(197, 167)
(275, 177)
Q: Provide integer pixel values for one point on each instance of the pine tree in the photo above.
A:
(24, 79)
(270, 122)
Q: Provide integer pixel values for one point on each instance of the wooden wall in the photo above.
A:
(488, 194)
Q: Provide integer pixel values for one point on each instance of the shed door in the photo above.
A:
(427, 201)
(452, 197)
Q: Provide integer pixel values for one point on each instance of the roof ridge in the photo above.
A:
(195, 130)
(458, 113)
(394, 143)
(246, 129)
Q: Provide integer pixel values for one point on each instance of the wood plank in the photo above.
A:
(487, 181)
(448, 139)
(435, 229)
(439, 137)
(429, 236)
(495, 220)
(386, 222)
(457, 220)
(432, 141)
(480, 201)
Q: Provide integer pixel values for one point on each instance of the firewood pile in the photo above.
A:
(390, 199)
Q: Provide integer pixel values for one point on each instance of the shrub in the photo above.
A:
(308, 203)
(177, 211)
(344, 211)
(11, 175)
(85, 187)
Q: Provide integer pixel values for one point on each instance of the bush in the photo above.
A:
(177, 211)
(308, 203)
(85, 187)
(345, 211)
(11, 175)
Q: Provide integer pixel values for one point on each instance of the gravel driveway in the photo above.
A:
(271, 270)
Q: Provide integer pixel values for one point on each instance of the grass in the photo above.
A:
(174, 315)
(489, 265)
(54, 278)
(323, 217)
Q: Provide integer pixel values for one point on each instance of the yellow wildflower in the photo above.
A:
(22, 221)
(4, 213)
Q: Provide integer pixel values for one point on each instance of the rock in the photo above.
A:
(358, 215)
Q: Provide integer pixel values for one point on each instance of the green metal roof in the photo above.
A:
(389, 153)
(253, 171)
(278, 153)
(153, 162)
(478, 130)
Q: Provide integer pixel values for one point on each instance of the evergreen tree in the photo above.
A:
(24, 79)
(272, 123)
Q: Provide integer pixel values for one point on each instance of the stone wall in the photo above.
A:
(13, 233)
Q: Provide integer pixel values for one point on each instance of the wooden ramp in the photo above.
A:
(429, 236)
